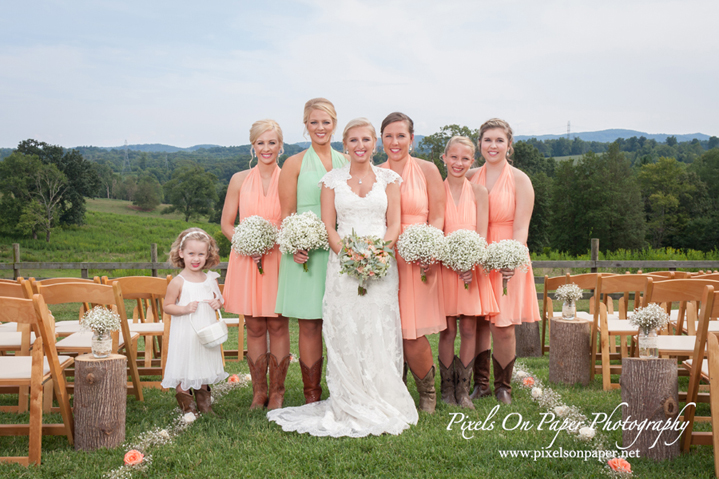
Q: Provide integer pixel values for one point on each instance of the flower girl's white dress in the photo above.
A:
(189, 363)
(362, 334)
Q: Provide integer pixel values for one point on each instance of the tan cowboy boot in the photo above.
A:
(427, 393)
(258, 371)
(462, 375)
(204, 400)
(481, 375)
(311, 377)
(186, 403)
(278, 373)
(448, 385)
(503, 381)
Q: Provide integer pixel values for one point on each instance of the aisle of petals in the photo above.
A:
(138, 457)
(575, 422)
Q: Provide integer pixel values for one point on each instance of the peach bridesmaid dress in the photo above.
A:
(247, 291)
(520, 304)
(479, 299)
(420, 304)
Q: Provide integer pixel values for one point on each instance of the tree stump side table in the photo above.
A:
(528, 340)
(651, 391)
(100, 401)
(569, 361)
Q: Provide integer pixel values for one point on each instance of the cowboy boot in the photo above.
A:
(278, 373)
(258, 371)
(185, 401)
(311, 377)
(204, 400)
(427, 394)
(481, 375)
(463, 375)
(503, 381)
(448, 385)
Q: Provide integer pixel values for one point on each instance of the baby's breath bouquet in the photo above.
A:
(302, 232)
(100, 320)
(420, 243)
(568, 293)
(462, 250)
(364, 258)
(507, 254)
(649, 317)
(254, 236)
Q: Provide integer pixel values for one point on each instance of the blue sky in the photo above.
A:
(102, 72)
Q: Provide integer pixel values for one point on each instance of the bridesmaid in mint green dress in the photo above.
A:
(299, 293)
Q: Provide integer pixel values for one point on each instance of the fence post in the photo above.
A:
(595, 253)
(83, 271)
(15, 259)
(153, 258)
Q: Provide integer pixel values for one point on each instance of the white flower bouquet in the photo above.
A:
(507, 254)
(568, 293)
(364, 258)
(100, 320)
(420, 243)
(462, 250)
(649, 317)
(302, 232)
(254, 236)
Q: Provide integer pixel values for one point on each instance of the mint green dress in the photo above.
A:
(299, 293)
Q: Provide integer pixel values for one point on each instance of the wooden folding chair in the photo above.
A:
(232, 355)
(550, 284)
(66, 328)
(683, 291)
(713, 371)
(144, 289)
(99, 294)
(33, 371)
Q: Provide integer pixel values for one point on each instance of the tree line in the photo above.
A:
(631, 194)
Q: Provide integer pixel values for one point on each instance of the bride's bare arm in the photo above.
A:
(393, 214)
(329, 218)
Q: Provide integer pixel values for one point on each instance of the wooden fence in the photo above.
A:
(153, 266)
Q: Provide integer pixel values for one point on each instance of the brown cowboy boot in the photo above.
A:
(204, 400)
(481, 375)
(278, 373)
(427, 393)
(186, 403)
(462, 375)
(503, 381)
(448, 385)
(258, 371)
(311, 377)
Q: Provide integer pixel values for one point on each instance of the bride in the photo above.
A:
(362, 333)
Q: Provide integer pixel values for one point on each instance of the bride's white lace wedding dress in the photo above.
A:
(362, 334)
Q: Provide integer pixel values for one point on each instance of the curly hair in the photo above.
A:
(196, 234)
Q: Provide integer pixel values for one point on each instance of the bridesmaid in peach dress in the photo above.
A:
(511, 201)
(466, 208)
(247, 292)
(420, 303)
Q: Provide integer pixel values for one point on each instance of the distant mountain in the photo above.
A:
(159, 148)
(605, 136)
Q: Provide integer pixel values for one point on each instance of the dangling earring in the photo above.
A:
(410, 147)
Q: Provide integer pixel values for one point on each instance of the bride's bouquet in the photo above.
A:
(302, 232)
(420, 243)
(254, 236)
(463, 250)
(364, 258)
(507, 254)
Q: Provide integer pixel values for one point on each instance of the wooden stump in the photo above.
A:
(651, 391)
(569, 351)
(529, 343)
(99, 403)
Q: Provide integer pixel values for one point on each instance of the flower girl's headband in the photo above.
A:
(201, 233)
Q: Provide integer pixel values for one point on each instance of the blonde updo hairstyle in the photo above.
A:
(359, 122)
(461, 140)
(501, 124)
(196, 234)
(321, 104)
(260, 127)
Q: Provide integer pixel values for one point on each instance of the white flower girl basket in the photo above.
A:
(212, 335)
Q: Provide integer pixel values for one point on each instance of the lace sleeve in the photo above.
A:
(335, 177)
(387, 176)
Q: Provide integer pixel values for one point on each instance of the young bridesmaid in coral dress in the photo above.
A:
(420, 303)
(466, 208)
(511, 201)
(247, 292)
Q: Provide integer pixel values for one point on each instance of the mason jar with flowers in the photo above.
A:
(568, 294)
(101, 321)
(649, 320)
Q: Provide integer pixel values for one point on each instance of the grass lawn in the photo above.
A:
(242, 443)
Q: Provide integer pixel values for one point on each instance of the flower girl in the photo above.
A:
(192, 298)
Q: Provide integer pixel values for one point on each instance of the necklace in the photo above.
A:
(365, 176)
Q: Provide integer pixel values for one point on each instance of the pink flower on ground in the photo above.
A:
(133, 458)
(528, 381)
(620, 465)
(233, 379)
